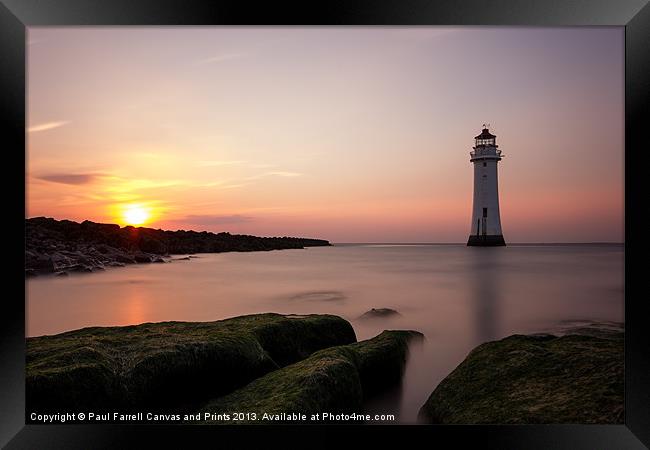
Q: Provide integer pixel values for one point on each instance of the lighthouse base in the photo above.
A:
(486, 241)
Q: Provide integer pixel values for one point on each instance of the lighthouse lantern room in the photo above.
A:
(485, 229)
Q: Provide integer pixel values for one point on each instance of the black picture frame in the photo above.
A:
(16, 15)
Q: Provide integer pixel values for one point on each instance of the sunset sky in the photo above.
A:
(347, 134)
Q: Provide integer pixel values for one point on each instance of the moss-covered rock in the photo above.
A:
(575, 378)
(334, 380)
(169, 364)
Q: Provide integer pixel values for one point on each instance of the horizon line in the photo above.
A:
(465, 243)
(345, 243)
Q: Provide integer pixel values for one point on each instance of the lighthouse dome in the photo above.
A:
(485, 138)
(485, 134)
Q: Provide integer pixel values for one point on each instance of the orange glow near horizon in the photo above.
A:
(135, 214)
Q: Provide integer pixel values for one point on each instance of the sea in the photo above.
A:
(457, 296)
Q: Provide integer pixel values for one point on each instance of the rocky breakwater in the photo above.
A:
(62, 246)
(574, 378)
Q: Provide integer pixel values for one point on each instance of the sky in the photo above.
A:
(351, 134)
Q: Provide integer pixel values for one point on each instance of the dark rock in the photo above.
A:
(104, 249)
(79, 268)
(170, 363)
(40, 263)
(61, 261)
(115, 264)
(152, 245)
(61, 274)
(142, 258)
(534, 379)
(376, 313)
(334, 380)
(186, 258)
(123, 258)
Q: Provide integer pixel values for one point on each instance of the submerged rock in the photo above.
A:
(574, 378)
(169, 363)
(332, 380)
(319, 296)
(142, 257)
(376, 313)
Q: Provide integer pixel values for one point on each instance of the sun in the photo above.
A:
(135, 214)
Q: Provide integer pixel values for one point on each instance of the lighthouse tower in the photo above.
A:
(486, 222)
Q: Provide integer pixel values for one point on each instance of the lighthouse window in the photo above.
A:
(484, 212)
(484, 164)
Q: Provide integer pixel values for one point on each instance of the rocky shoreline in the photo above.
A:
(63, 246)
(309, 364)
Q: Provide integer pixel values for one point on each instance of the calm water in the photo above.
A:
(457, 296)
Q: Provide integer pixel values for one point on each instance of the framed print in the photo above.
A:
(394, 219)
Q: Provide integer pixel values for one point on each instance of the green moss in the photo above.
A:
(170, 363)
(332, 380)
(534, 379)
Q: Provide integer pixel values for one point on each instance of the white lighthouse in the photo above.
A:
(486, 222)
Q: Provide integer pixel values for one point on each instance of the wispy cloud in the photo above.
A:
(234, 185)
(126, 185)
(277, 173)
(47, 126)
(117, 187)
(216, 163)
(284, 174)
(221, 58)
(274, 174)
(70, 178)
